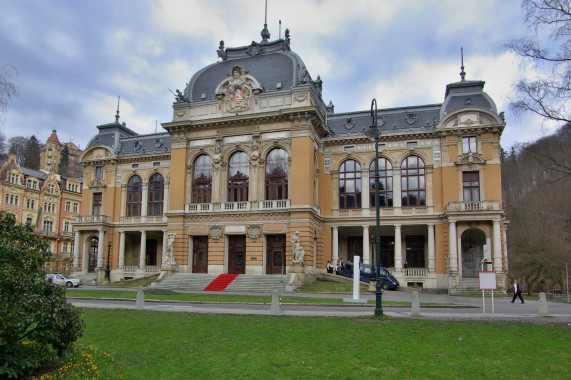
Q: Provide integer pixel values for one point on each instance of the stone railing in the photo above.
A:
(198, 207)
(473, 206)
(93, 219)
(129, 269)
(152, 269)
(131, 219)
(272, 205)
(414, 272)
(235, 206)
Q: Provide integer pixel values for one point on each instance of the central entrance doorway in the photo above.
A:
(275, 251)
(473, 241)
(200, 254)
(92, 258)
(237, 254)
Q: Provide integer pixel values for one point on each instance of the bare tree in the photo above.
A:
(550, 95)
(8, 90)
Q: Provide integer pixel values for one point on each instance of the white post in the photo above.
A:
(398, 248)
(100, 249)
(356, 277)
(452, 244)
(497, 246)
(431, 250)
(122, 250)
(142, 253)
(76, 251)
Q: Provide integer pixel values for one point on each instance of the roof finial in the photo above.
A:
(462, 73)
(265, 32)
(117, 114)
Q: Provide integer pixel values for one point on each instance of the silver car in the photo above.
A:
(61, 280)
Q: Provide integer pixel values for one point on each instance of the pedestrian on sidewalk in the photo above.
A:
(517, 292)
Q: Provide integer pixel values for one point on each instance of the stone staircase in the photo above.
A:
(471, 287)
(243, 283)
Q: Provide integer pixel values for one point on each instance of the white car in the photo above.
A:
(61, 280)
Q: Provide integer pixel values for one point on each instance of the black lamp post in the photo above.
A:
(374, 129)
(107, 270)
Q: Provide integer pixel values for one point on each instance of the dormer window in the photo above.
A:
(469, 144)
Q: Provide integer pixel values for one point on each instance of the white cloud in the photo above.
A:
(63, 45)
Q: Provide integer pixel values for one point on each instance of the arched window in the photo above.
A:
(156, 195)
(238, 177)
(134, 196)
(412, 180)
(385, 183)
(350, 184)
(202, 179)
(276, 175)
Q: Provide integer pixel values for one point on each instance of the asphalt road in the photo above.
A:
(453, 308)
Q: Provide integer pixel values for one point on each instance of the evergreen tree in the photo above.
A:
(63, 166)
(32, 154)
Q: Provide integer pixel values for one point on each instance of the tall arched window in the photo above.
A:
(238, 177)
(385, 183)
(276, 175)
(134, 196)
(202, 180)
(412, 181)
(156, 195)
(350, 184)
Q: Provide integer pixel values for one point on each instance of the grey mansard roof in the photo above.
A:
(272, 64)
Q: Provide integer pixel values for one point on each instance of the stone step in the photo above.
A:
(243, 283)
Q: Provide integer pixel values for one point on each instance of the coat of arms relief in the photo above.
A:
(237, 90)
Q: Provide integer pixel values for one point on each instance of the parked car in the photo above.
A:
(61, 280)
(368, 274)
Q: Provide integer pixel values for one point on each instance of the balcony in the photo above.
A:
(93, 219)
(237, 206)
(415, 272)
(143, 219)
(473, 206)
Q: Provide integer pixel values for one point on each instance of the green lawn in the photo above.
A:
(201, 297)
(162, 345)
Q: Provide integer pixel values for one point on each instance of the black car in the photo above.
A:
(368, 273)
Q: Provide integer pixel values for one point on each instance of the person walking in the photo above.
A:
(517, 292)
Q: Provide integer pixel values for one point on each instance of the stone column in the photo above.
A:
(497, 246)
(431, 250)
(398, 248)
(166, 197)
(76, 252)
(144, 201)
(122, 250)
(366, 253)
(100, 248)
(335, 253)
(452, 246)
(397, 201)
(365, 204)
(505, 236)
(143, 252)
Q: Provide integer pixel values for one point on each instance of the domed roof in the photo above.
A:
(272, 64)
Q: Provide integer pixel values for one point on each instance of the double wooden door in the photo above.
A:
(237, 254)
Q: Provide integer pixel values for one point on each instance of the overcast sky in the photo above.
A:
(74, 58)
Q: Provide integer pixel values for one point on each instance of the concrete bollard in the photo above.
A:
(415, 306)
(275, 310)
(140, 304)
(543, 309)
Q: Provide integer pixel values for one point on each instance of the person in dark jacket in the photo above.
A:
(517, 292)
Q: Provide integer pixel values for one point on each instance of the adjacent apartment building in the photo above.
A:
(48, 202)
(253, 155)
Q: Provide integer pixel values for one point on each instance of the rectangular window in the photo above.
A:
(75, 207)
(471, 186)
(99, 172)
(65, 226)
(97, 197)
(29, 221)
(48, 226)
(469, 144)
(415, 251)
(64, 247)
(67, 206)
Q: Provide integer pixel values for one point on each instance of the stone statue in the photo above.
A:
(298, 251)
(222, 51)
(180, 97)
(168, 258)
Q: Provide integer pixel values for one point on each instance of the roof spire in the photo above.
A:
(462, 72)
(117, 114)
(265, 32)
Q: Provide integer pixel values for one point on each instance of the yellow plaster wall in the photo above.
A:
(325, 188)
(254, 249)
(493, 182)
(441, 246)
(178, 179)
(216, 252)
(449, 185)
(301, 186)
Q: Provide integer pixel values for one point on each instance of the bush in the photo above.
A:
(37, 325)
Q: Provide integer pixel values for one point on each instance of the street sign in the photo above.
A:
(487, 280)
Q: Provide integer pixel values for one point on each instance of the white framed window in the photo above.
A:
(67, 206)
(469, 144)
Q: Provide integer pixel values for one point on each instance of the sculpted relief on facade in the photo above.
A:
(237, 90)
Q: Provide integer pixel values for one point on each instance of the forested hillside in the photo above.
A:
(536, 182)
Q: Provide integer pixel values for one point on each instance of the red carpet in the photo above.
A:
(221, 282)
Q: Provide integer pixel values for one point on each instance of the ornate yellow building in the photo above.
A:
(253, 154)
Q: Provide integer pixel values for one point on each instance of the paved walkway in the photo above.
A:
(442, 308)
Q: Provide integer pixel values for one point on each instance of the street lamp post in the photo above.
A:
(378, 291)
(108, 270)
